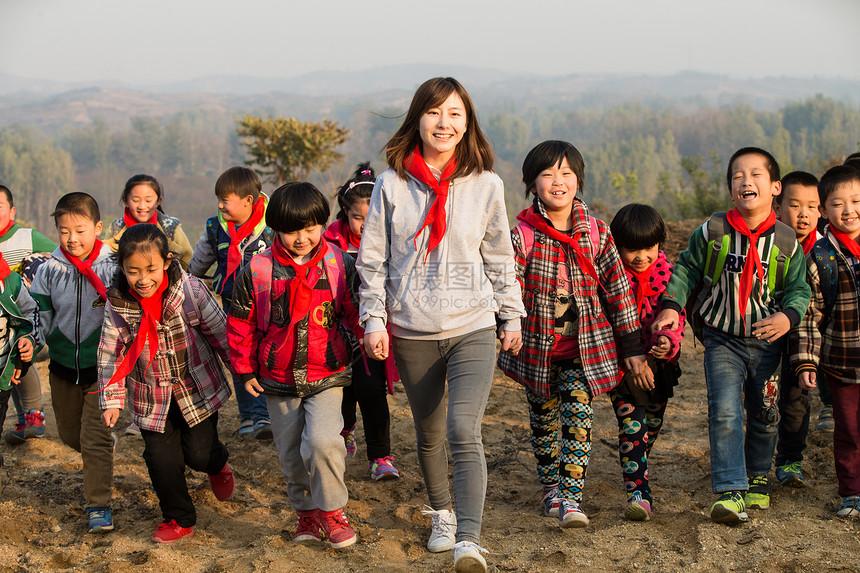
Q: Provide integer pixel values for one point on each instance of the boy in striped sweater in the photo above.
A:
(744, 315)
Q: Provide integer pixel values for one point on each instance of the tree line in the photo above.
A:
(670, 154)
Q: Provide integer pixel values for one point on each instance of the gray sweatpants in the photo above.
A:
(310, 448)
(468, 362)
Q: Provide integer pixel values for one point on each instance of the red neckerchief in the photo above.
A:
(809, 241)
(151, 309)
(752, 265)
(130, 221)
(353, 240)
(86, 268)
(237, 235)
(7, 227)
(540, 224)
(846, 242)
(4, 268)
(436, 217)
(643, 286)
(300, 287)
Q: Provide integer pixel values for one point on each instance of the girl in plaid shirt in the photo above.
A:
(581, 316)
(161, 335)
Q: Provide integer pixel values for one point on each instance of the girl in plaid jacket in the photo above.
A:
(162, 337)
(581, 316)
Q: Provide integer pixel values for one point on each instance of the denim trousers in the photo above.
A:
(467, 362)
(310, 448)
(250, 408)
(741, 374)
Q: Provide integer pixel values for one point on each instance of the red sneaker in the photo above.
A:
(170, 532)
(308, 527)
(34, 424)
(223, 483)
(336, 528)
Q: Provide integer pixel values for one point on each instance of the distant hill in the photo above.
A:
(52, 105)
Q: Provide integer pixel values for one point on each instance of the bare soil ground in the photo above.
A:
(42, 526)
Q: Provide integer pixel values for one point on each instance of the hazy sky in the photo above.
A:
(154, 41)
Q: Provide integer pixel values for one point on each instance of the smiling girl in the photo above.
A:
(582, 323)
(142, 197)
(162, 337)
(437, 267)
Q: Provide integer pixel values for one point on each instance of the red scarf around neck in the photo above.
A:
(151, 311)
(86, 268)
(130, 221)
(4, 268)
(300, 288)
(239, 234)
(643, 286)
(354, 240)
(582, 256)
(846, 242)
(7, 227)
(809, 242)
(752, 265)
(436, 216)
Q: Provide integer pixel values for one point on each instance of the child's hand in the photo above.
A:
(662, 347)
(645, 380)
(637, 366)
(772, 327)
(253, 387)
(110, 416)
(512, 340)
(25, 349)
(376, 345)
(806, 380)
(668, 319)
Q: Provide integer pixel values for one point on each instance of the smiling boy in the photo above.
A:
(70, 289)
(829, 335)
(744, 313)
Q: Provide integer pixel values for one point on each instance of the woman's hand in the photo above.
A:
(376, 344)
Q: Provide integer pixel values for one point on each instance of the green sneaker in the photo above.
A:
(789, 475)
(758, 495)
(729, 508)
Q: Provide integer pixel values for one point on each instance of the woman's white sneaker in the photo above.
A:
(468, 558)
(443, 529)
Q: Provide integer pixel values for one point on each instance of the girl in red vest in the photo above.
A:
(581, 317)
(369, 377)
(293, 306)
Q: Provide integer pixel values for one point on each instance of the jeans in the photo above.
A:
(740, 373)
(167, 453)
(467, 362)
(250, 408)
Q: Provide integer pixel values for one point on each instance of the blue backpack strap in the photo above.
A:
(824, 256)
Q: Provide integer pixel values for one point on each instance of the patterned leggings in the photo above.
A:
(638, 428)
(562, 457)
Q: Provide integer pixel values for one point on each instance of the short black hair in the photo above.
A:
(834, 178)
(142, 237)
(638, 226)
(797, 178)
(770, 163)
(548, 154)
(853, 160)
(238, 180)
(296, 205)
(6, 191)
(77, 203)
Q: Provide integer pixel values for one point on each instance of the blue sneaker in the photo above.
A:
(262, 430)
(850, 506)
(789, 475)
(100, 519)
(246, 429)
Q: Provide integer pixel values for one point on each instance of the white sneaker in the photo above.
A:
(444, 529)
(468, 558)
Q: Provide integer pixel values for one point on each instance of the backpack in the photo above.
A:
(527, 234)
(824, 256)
(261, 277)
(719, 235)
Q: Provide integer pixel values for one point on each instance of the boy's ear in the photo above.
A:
(777, 188)
(98, 229)
(823, 210)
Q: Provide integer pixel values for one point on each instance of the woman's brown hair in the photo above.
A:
(473, 153)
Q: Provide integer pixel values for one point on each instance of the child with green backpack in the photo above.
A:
(753, 291)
